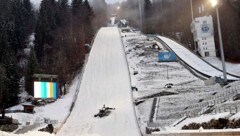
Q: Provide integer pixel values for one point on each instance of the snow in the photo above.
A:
(31, 40)
(36, 3)
(200, 119)
(152, 76)
(32, 133)
(192, 60)
(105, 81)
(199, 131)
(233, 68)
(58, 111)
(236, 116)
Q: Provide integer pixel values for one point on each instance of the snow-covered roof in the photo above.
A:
(123, 21)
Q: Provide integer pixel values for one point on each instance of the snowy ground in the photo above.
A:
(105, 81)
(188, 100)
(233, 68)
(56, 112)
(191, 97)
(50, 111)
(152, 76)
(31, 133)
(36, 3)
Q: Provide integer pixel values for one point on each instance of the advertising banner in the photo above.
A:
(45, 90)
(166, 57)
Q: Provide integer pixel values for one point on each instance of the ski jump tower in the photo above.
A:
(203, 33)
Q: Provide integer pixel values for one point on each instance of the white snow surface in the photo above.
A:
(59, 110)
(193, 60)
(32, 133)
(200, 119)
(233, 68)
(105, 81)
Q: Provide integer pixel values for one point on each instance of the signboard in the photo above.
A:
(45, 90)
(204, 26)
(166, 56)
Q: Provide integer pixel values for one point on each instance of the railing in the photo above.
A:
(192, 108)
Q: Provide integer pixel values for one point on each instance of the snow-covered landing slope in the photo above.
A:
(193, 60)
(105, 81)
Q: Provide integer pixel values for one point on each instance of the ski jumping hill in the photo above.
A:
(194, 61)
(105, 81)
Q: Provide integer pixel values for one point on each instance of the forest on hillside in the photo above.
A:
(60, 30)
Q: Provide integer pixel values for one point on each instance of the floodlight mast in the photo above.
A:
(215, 4)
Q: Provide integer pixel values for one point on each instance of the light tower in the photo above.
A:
(215, 4)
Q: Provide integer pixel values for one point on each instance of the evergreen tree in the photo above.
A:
(100, 9)
(63, 4)
(3, 79)
(18, 16)
(12, 85)
(29, 18)
(61, 66)
(76, 6)
(77, 51)
(147, 24)
(30, 70)
(77, 21)
(45, 31)
(63, 13)
(5, 8)
(88, 17)
(147, 8)
(17, 34)
(8, 61)
(3, 38)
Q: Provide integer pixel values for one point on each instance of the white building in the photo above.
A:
(112, 21)
(203, 33)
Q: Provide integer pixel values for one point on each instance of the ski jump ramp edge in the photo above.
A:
(106, 80)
